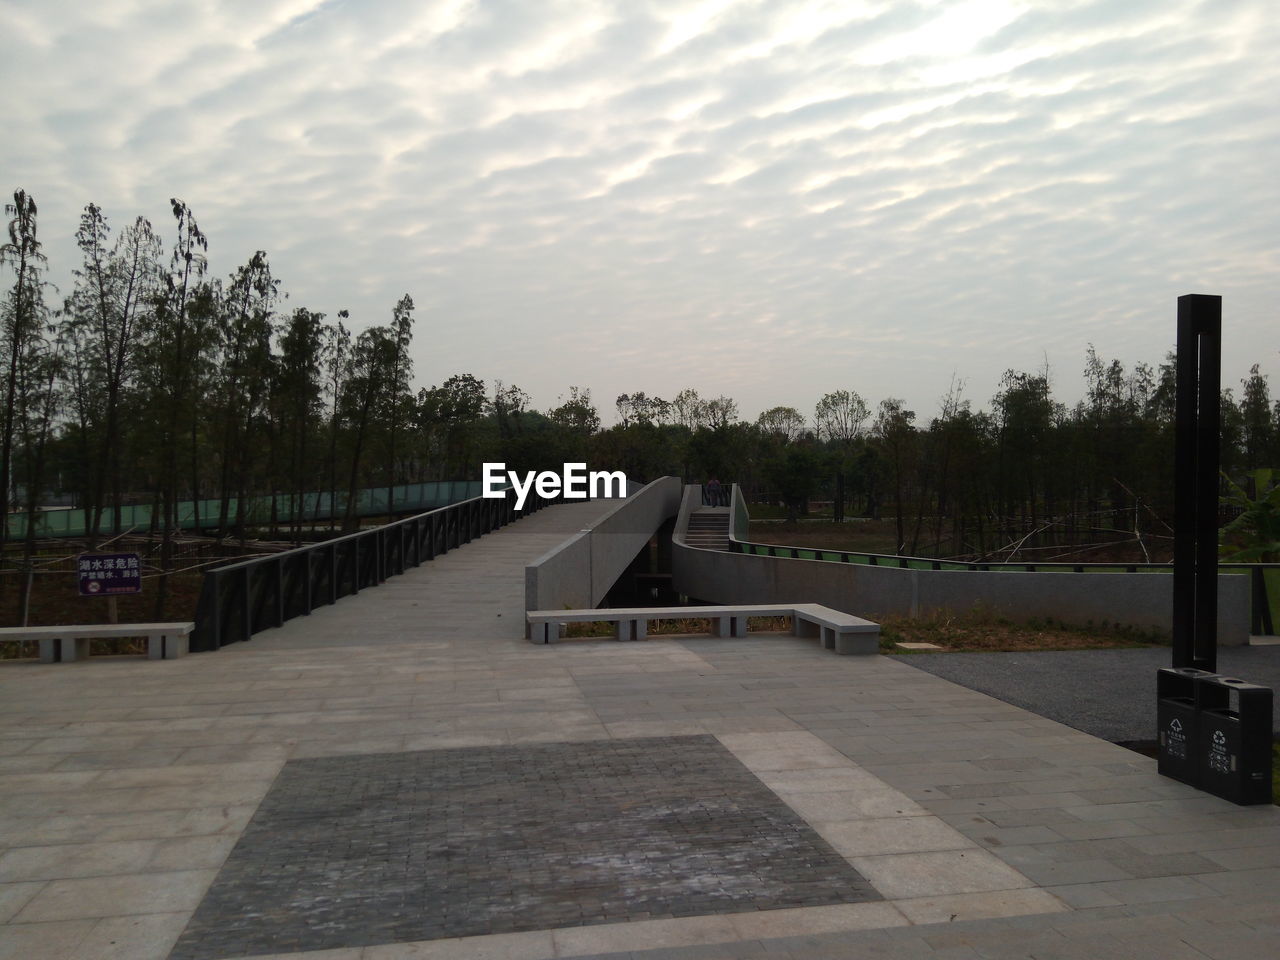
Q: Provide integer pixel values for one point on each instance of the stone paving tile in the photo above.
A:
(15, 896)
(939, 873)
(365, 849)
(145, 937)
(29, 941)
(124, 895)
(1038, 788)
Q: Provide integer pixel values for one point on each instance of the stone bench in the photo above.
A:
(68, 643)
(841, 632)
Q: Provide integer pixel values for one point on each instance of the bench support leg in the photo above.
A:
(49, 651)
(74, 649)
(724, 626)
(168, 648)
(740, 626)
(857, 643)
(828, 638)
(801, 627)
(636, 629)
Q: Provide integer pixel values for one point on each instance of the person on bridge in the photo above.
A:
(712, 499)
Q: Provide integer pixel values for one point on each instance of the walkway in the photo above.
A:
(1108, 693)
(965, 827)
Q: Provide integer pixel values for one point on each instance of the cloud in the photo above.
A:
(765, 199)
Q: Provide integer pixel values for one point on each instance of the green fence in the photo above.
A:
(204, 514)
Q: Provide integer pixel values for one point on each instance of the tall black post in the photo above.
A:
(1195, 485)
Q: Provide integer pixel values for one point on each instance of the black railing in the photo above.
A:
(1264, 578)
(240, 599)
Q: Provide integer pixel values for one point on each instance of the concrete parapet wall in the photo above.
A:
(579, 572)
(1137, 599)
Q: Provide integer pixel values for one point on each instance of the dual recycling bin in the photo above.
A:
(1214, 732)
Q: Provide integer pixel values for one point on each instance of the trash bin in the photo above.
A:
(1234, 751)
(1178, 722)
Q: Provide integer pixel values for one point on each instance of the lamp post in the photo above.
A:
(1195, 485)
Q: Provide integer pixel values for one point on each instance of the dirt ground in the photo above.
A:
(982, 631)
(55, 599)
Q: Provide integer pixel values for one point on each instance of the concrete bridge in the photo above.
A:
(402, 775)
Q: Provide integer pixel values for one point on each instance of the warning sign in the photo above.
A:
(109, 574)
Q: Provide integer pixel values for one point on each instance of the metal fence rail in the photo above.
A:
(240, 599)
(1264, 577)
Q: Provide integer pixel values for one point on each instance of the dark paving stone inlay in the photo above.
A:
(386, 848)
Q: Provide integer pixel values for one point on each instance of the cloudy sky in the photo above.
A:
(768, 200)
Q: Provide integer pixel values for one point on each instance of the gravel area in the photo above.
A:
(1108, 693)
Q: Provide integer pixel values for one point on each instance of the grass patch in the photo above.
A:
(854, 535)
(1275, 773)
(676, 626)
(985, 631)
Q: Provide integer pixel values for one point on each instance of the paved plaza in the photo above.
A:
(403, 776)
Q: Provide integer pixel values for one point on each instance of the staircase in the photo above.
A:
(708, 529)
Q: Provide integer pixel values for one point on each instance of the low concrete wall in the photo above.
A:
(580, 571)
(1137, 599)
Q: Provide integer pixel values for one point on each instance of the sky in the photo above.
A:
(764, 200)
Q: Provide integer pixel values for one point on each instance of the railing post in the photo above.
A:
(246, 585)
(1260, 603)
(215, 626)
(279, 567)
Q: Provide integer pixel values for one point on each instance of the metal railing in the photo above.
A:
(1264, 607)
(240, 599)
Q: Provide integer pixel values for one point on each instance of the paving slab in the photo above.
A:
(1042, 837)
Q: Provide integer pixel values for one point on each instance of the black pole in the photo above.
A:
(1196, 433)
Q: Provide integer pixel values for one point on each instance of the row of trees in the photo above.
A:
(153, 381)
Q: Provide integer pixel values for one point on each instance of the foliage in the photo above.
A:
(158, 383)
(1254, 535)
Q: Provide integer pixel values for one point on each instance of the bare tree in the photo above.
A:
(21, 330)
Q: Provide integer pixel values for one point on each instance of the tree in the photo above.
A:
(838, 419)
(793, 473)
(507, 406)
(377, 394)
(896, 433)
(1024, 415)
(174, 348)
(21, 332)
(637, 408)
(396, 399)
(690, 409)
(38, 398)
(337, 364)
(1254, 535)
(839, 416)
(450, 415)
(245, 329)
(1255, 413)
(721, 412)
(101, 331)
(785, 423)
(296, 395)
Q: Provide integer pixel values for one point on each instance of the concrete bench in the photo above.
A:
(68, 643)
(841, 632)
